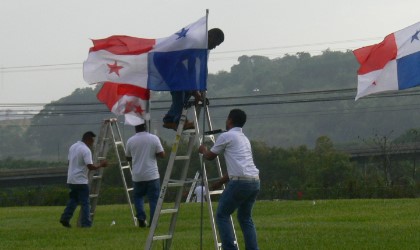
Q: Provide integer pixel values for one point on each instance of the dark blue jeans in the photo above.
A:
(79, 194)
(239, 195)
(141, 189)
(175, 111)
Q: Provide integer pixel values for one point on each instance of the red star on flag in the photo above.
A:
(114, 68)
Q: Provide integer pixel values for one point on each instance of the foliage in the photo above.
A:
(12, 163)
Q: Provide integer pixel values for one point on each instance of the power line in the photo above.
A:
(299, 98)
(78, 65)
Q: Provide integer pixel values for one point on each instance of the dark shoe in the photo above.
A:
(170, 125)
(188, 125)
(142, 223)
(65, 223)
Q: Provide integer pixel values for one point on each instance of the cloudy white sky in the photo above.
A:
(43, 43)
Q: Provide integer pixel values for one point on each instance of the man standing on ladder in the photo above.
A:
(142, 150)
(243, 181)
(179, 98)
(80, 162)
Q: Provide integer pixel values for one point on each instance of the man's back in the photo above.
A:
(79, 157)
(143, 147)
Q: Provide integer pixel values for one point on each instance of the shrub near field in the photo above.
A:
(319, 224)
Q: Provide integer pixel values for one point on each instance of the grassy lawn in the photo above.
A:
(325, 224)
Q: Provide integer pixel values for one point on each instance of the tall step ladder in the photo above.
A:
(109, 135)
(179, 183)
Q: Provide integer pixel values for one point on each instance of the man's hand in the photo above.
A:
(198, 97)
(202, 149)
(103, 164)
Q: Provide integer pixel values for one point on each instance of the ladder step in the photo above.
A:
(169, 211)
(130, 189)
(93, 196)
(182, 157)
(176, 184)
(96, 177)
(125, 167)
(101, 158)
(118, 142)
(162, 237)
(216, 192)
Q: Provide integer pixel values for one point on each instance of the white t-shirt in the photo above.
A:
(198, 191)
(79, 157)
(143, 147)
(237, 151)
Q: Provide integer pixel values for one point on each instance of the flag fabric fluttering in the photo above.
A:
(129, 67)
(393, 64)
(174, 63)
(125, 99)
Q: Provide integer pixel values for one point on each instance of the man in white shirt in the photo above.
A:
(200, 193)
(243, 181)
(80, 162)
(142, 150)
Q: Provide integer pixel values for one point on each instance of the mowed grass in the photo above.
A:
(325, 224)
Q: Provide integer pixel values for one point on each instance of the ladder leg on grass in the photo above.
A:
(179, 182)
(109, 135)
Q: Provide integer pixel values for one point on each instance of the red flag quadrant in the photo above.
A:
(393, 64)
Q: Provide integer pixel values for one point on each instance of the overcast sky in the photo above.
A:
(43, 43)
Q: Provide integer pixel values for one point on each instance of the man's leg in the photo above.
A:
(139, 192)
(245, 214)
(153, 191)
(175, 110)
(70, 207)
(227, 205)
(85, 206)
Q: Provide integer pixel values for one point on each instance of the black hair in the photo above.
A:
(88, 135)
(140, 128)
(215, 37)
(238, 117)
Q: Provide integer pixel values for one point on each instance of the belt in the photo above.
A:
(244, 178)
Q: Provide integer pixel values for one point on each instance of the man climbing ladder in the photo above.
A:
(244, 183)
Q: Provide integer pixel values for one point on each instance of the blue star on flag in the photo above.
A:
(415, 36)
(182, 33)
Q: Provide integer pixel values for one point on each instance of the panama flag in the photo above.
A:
(131, 66)
(393, 64)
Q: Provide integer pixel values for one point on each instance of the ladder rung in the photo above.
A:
(216, 192)
(176, 184)
(125, 167)
(182, 157)
(118, 142)
(130, 189)
(162, 237)
(93, 196)
(95, 177)
(169, 211)
(101, 158)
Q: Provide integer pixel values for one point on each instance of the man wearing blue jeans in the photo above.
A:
(80, 162)
(243, 182)
(142, 150)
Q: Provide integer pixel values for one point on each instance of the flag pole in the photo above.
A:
(204, 101)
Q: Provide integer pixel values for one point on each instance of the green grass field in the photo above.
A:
(327, 224)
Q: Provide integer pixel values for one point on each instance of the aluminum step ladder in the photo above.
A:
(109, 136)
(179, 182)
